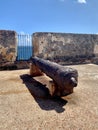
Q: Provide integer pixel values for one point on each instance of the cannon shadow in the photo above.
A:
(41, 95)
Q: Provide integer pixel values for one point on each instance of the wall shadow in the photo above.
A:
(42, 96)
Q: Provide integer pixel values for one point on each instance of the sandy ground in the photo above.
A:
(24, 104)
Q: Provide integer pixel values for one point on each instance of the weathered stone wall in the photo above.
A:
(59, 47)
(95, 40)
(7, 46)
(65, 48)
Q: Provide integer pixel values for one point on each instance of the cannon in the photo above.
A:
(64, 78)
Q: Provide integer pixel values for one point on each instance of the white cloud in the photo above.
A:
(24, 39)
(82, 1)
(22, 33)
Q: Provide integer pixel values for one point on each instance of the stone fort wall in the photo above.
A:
(63, 48)
(66, 48)
(7, 46)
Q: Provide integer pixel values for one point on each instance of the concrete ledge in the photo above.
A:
(15, 65)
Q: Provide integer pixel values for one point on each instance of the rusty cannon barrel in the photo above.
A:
(64, 78)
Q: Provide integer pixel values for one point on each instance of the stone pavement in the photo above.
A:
(24, 104)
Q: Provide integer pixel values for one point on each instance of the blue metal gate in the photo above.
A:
(24, 47)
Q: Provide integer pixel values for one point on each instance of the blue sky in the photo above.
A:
(69, 16)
